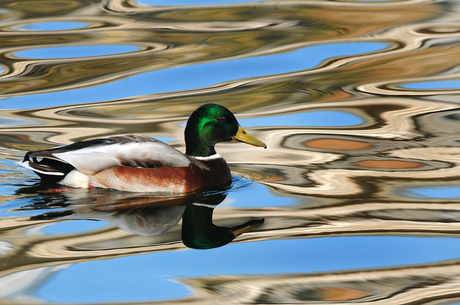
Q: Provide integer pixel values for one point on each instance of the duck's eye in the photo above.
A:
(223, 119)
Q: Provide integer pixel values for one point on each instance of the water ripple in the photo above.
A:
(356, 100)
(75, 51)
(50, 26)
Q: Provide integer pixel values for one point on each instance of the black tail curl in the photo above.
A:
(50, 169)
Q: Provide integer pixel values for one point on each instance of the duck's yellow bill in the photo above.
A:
(243, 136)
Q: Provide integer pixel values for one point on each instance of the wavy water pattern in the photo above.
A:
(74, 52)
(358, 191)
(158, 81)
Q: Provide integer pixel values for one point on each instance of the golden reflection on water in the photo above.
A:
(347, 180)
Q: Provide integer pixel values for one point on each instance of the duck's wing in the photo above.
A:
(93, 156)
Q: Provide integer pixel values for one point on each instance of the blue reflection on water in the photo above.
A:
(186, 2)
(446, 192)
(374, 0)
(73, 226)
(317, 118)
(76, 51)
(256, 195)
(148, 277)
(440, 84)
(195, 76)
(51, 26)
(214, 2)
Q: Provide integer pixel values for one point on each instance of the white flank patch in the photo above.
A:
(212, 157)
(75, 179)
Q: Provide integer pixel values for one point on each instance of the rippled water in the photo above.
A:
(359, 187)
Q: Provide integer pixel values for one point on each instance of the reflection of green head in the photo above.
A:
(199, 232)
(207, 126)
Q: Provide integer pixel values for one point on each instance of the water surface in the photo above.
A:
(359, 187)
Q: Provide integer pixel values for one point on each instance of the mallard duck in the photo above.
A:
(139, 163)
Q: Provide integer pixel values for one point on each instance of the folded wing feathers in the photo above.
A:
(93, 156)
(91, 160)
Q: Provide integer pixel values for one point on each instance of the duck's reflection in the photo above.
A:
(198, 230)
(147, 214)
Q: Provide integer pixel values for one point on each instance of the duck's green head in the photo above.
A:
(211, 124)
